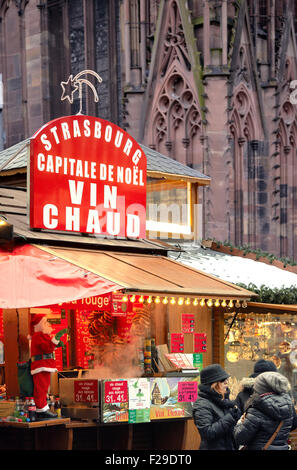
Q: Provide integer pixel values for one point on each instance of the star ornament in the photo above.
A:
(69, 88)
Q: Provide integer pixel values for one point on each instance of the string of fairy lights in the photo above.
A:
(209, 302)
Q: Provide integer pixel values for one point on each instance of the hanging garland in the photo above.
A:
(282, 295)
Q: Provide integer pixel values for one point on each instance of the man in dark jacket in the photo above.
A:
(247, 383)
(270, 404)
(214, 414)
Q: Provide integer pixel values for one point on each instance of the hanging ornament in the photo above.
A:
(234, 351)
(232, 356)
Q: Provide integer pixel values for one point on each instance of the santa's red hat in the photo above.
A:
(35, 320)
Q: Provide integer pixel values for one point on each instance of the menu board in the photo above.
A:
(188, 323)
(187, 391)
(86, 390)
(199, 342)
(139, 400)
(116, 391)
(177, 342)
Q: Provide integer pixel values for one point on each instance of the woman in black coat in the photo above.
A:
(247, 383)
(214, 414)
(270, 404)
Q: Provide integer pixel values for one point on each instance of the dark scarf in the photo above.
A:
(206, 392)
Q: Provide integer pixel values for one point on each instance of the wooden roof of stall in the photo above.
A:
(148, 274)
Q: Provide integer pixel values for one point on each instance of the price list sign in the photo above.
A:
(86, 391)
(188, 323)
(116, 391)
(177, 342)
(199, 342)
(187, 391)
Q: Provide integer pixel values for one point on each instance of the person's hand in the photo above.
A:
(235, 413)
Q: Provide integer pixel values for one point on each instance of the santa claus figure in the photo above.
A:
(43, 344)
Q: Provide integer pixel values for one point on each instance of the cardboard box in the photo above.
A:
(7, 408)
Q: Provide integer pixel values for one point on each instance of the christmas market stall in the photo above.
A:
(131, 326)
(264, 327)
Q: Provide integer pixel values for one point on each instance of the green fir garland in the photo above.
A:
(282, 295)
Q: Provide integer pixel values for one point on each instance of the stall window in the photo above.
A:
(260, 336)
(169, 209)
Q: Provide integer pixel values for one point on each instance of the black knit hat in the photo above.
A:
(263, 366)
(213, 373)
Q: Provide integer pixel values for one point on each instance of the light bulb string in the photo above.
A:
(188, 301)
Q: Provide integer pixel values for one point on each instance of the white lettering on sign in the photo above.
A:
(73, 219)
(66, 132)
(76, 191)
(78, 168)
(50, 211)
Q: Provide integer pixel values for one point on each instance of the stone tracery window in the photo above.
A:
(176, 118)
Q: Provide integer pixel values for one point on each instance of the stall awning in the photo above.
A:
(31, 277)
(148, 274)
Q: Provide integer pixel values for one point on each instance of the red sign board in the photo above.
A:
(116, 391)
(199, 342)
(177, 342)
(187, 391)
(188, 323)
(87, 175)
(118, 306)
(86, 390)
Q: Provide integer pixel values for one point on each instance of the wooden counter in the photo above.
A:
(49, 434)
(67, 434)
(35, 424)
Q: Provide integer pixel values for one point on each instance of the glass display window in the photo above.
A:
(169, 209)
(255, 336)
